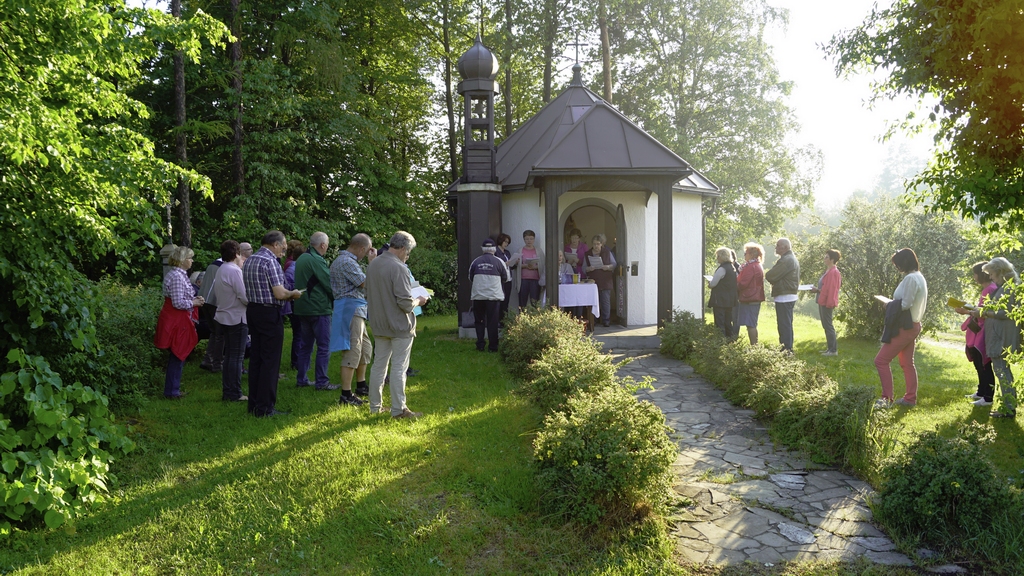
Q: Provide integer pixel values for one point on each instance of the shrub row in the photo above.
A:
(600, 454)
(937, 492)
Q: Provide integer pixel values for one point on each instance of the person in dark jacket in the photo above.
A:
(724, 295)
(487, 274)
(785, 280)
(601, 274)
(313, 276)
(501, 251)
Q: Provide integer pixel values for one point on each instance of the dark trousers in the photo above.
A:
(529, 291)
(829, 327)
(986, 377)
(266, 326)
(506, 287)
(314, 329)
(724, 321)
(214, 357)
(293, 320)
(784, 320)
(605, 299)
(485, 314)
(172, 378)
(235, 338)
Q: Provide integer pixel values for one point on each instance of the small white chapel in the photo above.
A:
(579, 163)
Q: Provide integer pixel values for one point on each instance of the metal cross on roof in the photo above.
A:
(577, 45)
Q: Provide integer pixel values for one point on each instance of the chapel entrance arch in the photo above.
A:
(593, 216)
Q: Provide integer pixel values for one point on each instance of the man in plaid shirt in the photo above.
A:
(265, 291)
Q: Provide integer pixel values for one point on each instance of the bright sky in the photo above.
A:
(832, 112)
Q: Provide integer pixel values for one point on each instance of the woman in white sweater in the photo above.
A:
(913, 296)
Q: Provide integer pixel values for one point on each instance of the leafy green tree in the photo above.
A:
(868, 235)
(702, 80)
(967, 55)
(80, 186)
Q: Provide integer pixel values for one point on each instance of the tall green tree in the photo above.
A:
(701, 79)
(81, 185)
(967, 55)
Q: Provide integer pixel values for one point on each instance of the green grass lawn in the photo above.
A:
(333, 490)
(944, 374)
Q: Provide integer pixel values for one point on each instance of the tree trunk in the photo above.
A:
(449, 97)
(508, 68)
(237, 165)
(606, 52)
(550, 32)
(180, 151)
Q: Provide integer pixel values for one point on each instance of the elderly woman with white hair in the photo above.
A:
(175, 327)
(724, 292)
(1002, 334)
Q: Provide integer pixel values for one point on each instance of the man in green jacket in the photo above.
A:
(314, 311)
(785, 280)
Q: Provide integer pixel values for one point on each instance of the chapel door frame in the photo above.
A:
(622, 269)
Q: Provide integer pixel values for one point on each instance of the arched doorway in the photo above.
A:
(593, 216)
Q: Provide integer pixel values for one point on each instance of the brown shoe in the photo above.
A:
(409, 414)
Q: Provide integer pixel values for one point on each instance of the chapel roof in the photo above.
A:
(580, 133)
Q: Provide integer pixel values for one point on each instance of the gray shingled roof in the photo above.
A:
(580, 133)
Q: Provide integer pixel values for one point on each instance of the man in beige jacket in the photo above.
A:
(390, 305)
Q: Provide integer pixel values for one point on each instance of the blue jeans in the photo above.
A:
(605, 296)
(784, 319)
(529, 291)
(172, 378)
(314, 329)
(830, 329)
(235, 338)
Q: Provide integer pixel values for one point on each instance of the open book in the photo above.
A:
(882, 299)
(595, 261)
(531, 263)
(571, 258)
(421, 292)
(954, 303)
(806, 287)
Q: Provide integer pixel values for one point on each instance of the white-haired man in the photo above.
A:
(314, 312)
(390, 305)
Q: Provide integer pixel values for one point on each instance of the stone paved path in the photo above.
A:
(744, 499)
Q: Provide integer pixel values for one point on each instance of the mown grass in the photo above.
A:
(944, 374)
(333, 490)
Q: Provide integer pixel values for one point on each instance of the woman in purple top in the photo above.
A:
(295, 249)
(231, 303)
(577, 247)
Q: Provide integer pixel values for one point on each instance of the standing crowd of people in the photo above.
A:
(737, 291)
(244, 298)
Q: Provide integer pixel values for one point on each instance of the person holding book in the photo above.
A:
(827, 290)
(750, 290)
(903, 315)
(530, 278)
(1002, 334)
(974, 334)
(502, 253)
(576, 248)
(724, 294)
(785, 280)
(231, 303)
(291, 254)
(599, 265)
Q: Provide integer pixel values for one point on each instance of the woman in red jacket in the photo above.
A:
(750, 286)
(175, 327)
(828, 298)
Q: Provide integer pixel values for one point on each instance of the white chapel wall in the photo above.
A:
(687, 274)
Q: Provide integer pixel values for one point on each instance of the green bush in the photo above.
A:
(942, 492)
(605, 456)
(437, 270)
(825, 421)
(124, 366)
(571, 366)
(530, 333)
(58, 441)
(685, 335)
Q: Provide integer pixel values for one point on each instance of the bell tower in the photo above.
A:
(478, 193)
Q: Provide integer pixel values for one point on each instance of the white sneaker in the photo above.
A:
(973, 396)
(827, 353)
(981, 402)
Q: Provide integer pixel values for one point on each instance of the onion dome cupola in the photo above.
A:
(478, 68)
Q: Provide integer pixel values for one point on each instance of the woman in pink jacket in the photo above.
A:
(974, 331)
(828, 298)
